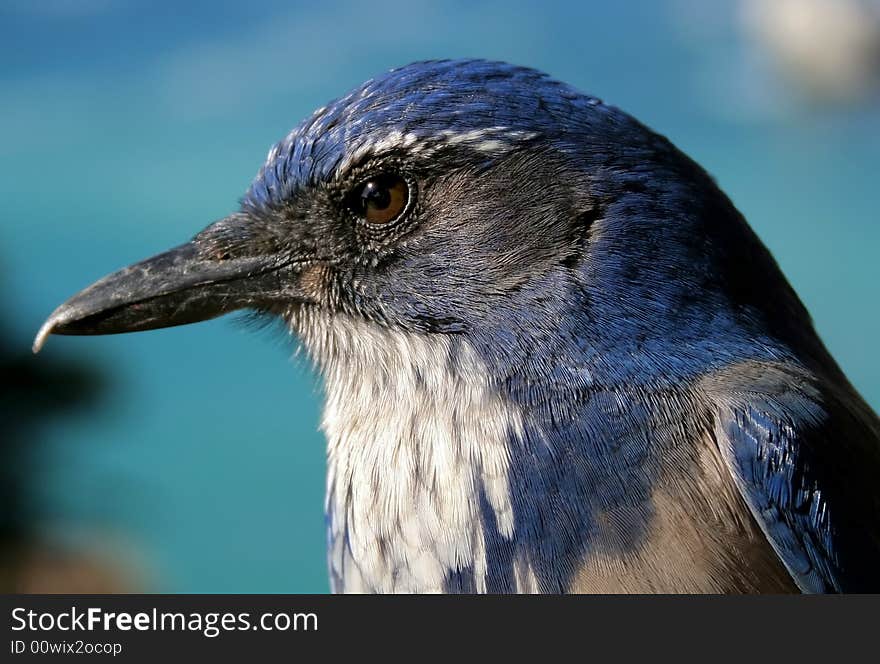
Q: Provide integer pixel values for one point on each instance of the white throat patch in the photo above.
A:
(415, 433)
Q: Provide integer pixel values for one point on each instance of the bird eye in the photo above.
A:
(381, 199)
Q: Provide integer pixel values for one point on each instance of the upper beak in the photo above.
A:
(184, 285)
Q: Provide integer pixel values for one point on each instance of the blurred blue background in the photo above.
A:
(126, 126)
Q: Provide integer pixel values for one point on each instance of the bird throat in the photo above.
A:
(418, 458)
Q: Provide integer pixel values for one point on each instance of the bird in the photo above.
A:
(555, 357)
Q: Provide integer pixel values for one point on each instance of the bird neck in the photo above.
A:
(449, 473)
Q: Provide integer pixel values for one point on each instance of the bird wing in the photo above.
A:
(806, 460)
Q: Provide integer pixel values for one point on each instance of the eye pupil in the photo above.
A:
(381, 199)
(375, 195)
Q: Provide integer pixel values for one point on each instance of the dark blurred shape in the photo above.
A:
(32, 391)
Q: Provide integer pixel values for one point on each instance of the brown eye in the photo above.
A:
(381, 199)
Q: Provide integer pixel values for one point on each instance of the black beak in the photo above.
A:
(188, 284)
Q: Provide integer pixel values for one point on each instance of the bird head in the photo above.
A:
(457, 198)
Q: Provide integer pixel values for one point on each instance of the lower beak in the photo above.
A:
(177, 287)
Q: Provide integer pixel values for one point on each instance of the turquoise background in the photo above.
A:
(127, 126)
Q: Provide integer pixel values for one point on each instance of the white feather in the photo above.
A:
(415, 432)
